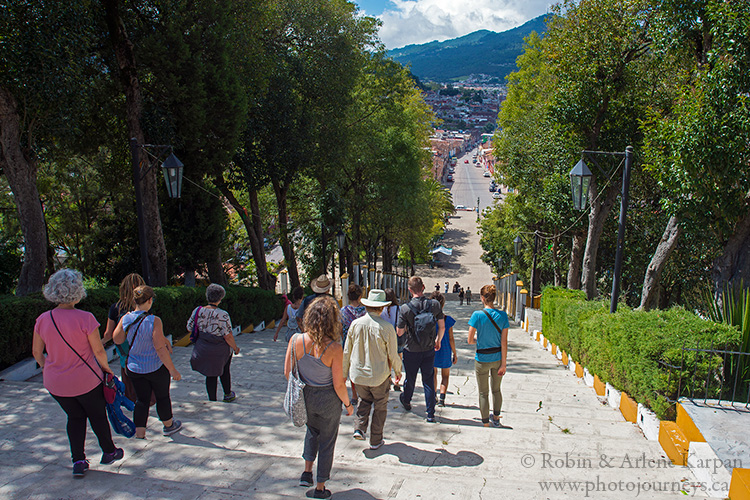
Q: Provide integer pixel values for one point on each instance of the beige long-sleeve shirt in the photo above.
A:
(370, 345)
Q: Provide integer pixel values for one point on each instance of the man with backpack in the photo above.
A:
(419, 319)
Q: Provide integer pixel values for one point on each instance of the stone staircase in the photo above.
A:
(558, 440)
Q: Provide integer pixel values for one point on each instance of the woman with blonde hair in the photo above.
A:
(124, 305)
(148, 364)
(319, 358)
(488, 329)
(74, 367)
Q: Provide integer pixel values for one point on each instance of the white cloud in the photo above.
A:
(420, 21)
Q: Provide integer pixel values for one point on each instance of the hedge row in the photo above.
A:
(172, 304)
(628, 349)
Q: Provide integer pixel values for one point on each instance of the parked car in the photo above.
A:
(460, 207)
(466, 161)
(497, 195)
(450, 177)
(493, 188)
(487, 173)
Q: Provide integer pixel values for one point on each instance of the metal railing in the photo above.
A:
(714, 375)
(508, 292)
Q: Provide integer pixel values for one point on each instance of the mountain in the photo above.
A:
(481, 52)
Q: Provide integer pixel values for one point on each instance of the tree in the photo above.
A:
(43, 84)
(127, 72)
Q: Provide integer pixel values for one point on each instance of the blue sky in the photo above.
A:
(419, 21)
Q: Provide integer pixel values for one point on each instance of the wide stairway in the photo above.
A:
(558, 440)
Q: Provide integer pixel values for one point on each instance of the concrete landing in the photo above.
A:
(725, 428)
(558, 440)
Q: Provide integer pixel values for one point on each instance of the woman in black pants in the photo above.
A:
(149, 364)
(211, 354)
(74, 366)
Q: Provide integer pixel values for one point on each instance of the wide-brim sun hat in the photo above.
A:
(321, 284)
(376, 298)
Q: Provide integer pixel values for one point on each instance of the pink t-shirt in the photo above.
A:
(64, 373)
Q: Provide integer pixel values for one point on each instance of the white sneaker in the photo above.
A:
(376, 446)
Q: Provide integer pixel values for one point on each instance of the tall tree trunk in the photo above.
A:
(216, 269)
(574, 269)
(20, 169)
(597, 216)
(734, 262)
(265, 280)
(650, 293)
(128, 73)
(286, 245)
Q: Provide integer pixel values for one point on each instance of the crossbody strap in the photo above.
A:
(295, 370)
(73, 349)
(137, 324)
(493, 321)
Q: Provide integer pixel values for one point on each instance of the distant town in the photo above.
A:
(467, 113)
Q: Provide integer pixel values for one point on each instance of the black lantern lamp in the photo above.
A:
(517, 244)
(340, 239)
(580, 180)
(172, 169)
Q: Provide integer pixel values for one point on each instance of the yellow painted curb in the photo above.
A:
(739, 488)
(183, 341)
(579, 371)
(629, 408)
(249, 328)
(599, 386)
(673, 442)
(554, 349)
(565, 359)
(538, 335)
(271, 325)
(545, 342)
(688, 426)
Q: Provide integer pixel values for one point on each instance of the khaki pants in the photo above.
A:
(375, 397)
(488, 380)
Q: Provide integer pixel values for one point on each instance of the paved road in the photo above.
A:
(465, 265)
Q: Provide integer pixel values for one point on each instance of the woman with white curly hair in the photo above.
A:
(74, 367)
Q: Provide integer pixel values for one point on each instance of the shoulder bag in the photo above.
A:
(294, 399)
(194, 334)
(108, 380)
(491, 350)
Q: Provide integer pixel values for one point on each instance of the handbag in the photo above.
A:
(491, 350)
(294, 399)
(108, 380)
(194, 334)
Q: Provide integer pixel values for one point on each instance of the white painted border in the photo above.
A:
(648, 422)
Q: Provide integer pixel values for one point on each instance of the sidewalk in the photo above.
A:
(555, 429)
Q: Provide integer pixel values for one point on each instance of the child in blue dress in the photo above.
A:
(446, 356)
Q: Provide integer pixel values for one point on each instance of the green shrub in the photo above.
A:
(172, 304)
(628, 349)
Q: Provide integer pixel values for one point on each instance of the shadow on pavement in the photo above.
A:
(354, 494)
(439, 458)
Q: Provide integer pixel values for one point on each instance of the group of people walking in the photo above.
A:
(75, 367)
(370, 342)
(371, 356)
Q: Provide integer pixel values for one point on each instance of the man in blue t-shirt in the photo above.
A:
(488, 329)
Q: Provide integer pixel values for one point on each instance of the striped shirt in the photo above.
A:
(142, 357)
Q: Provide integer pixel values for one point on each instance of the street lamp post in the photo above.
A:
(340, 242)
(172, 169)
(580, 181)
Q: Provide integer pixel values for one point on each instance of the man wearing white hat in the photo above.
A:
(371, 350)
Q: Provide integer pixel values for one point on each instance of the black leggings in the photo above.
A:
(92, 406)
(145, 383)
(226, 382)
